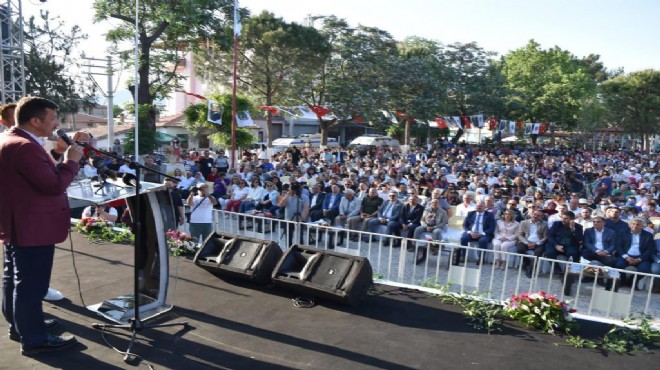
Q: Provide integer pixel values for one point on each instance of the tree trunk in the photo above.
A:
(456, 138)
(406, 132)
(324, 127)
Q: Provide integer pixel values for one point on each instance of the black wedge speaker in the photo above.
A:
(230, 255)
(324, 274)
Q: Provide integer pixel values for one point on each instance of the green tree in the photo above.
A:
(146, 135)
(166, 29)
(474, 83)
(49, 50)
(416, 84)
(633, 102)
(546, 85)
(197, 123)
(593, 119)
(272, 53)
(116, 110)
(353, 80)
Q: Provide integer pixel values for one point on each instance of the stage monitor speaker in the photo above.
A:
(324, 274)
(230, 255)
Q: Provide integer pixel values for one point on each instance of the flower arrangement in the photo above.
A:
(97, 230)
(180, 243)
(540, 311)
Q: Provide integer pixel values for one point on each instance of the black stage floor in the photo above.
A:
(237, 325)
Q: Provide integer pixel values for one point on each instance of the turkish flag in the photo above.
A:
(320, 111)
(492, 124)
(466, 122)
(270, 109)
(441, 122)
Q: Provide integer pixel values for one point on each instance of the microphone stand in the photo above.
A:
(136, 323)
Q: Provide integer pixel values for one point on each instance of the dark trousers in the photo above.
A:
(522, 248)
(593, 256)
(569, 251)
(466, 239)
(25, 281)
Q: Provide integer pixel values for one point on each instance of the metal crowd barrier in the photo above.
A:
(595, 292)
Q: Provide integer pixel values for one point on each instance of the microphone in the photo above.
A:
(64, 137)
(129, 179)
(102, 169)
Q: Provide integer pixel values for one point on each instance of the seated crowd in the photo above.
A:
(568, 203)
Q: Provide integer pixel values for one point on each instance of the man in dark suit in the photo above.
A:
(316, 198)
(411, 218)
(564, 238)
(389, 213)
(34, 216)
(636, 248)
(331, 203)
(599, 243)
(478, 226)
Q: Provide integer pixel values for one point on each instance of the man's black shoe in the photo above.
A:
(52, 343)
(48, 323)
(421, 256)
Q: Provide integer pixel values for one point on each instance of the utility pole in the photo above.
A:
(108, 94)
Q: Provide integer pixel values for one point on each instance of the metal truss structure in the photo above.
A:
(12, 54)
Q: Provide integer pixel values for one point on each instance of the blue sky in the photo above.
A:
(625, 33)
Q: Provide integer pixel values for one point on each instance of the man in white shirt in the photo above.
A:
(468, 205)
(599, 243)
(102, 212)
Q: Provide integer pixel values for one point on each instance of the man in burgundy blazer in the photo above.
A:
(34, 216)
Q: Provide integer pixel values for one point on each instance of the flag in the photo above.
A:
(320, 111)
(544, 127)
(477, 120)
(243, 119)
(285, 110)
(237, 20)
(457, 121)
(441, 123)
(504, 124)
(193, 94)
(401, 115)
(214, 113)
(535, 128)
(305, 113)
(272, 110)
(528, 128)
(492, 124)
(512, 127)
(390, 117)
(466, 123)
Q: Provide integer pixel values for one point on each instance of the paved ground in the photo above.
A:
(237, 325)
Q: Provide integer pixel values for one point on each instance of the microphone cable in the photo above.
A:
(303, 302)
(75, 268)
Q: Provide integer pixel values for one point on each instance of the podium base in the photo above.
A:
(120, 309)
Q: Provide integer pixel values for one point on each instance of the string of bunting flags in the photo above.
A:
(501, 125)
(456, 122)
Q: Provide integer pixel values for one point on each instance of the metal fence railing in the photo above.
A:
(595, 292)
